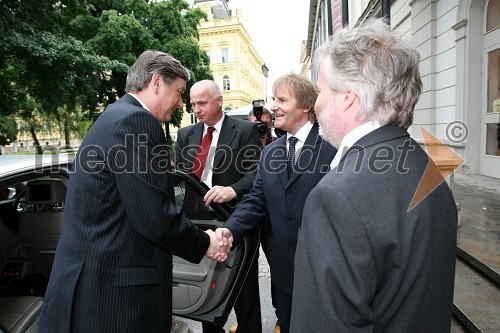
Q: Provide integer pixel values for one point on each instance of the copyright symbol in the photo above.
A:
(457, 131)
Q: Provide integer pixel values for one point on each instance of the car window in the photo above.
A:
(189, 194)
(206, 291)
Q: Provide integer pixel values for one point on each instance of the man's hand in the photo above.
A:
(219, 246)
(219, 194)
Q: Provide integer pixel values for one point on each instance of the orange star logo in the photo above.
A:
(446, 161)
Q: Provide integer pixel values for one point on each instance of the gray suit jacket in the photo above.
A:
(113, 265)
(366, 263)
(283, 199)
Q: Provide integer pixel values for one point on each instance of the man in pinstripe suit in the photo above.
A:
(113, 266)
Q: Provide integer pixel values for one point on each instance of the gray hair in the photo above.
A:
(379, 66)
(151, 62)
(211, 86)
(304, 89)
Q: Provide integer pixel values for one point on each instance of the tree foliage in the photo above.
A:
(8, 130)
(65, 60)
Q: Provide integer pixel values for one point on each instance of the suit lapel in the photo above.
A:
(381, 134)
(226, 137)
(194, 138)
(281, 161)
(129, 99)
(275, 160)
(307, 154)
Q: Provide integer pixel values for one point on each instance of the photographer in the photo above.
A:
(263, 117)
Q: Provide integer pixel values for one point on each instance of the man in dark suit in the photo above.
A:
(229, 170)
(249, 294)
(113, 265)
(280, 191)
(373, 255)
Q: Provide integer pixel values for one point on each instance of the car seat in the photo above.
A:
(41, 222)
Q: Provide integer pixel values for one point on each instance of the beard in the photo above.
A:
(323, 135)
(327, 125)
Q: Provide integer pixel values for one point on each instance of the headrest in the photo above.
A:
(47, 191)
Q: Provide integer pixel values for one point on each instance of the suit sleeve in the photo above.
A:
(139, 165)
(250, 211)
(248, 162)
(335, 282)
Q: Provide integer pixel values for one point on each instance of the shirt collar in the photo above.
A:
(352, 137)
(218, 125)
(302, 133)
(139, 100)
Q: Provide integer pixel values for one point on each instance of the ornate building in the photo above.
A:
(236, 66)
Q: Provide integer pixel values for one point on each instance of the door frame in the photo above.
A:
(489, 165)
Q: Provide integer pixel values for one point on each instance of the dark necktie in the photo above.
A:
(201, 157)
(291, 153)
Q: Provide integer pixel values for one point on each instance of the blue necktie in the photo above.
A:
(291, 153)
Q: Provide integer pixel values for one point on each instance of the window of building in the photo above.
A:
(226, 84)
(492, 17)
(493, 128)
(224, 55)
(494, 81)
(194, 120)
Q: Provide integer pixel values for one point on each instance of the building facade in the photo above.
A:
(236, 66)
(459, 44)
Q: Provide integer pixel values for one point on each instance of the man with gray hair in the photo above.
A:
(371, 255)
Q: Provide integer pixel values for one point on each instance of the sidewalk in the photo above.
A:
(479, 217)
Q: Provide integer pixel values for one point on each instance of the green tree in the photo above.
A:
(61, 59)
(41, 63)
(8, 131)
(176, 29)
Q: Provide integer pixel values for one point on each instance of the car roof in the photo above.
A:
(13, 164)
(243, 112)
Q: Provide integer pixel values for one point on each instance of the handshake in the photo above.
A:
(221, 242)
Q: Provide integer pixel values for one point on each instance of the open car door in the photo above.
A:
(207, 291)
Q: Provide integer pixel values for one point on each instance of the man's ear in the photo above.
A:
(156, 81)
(348, 99)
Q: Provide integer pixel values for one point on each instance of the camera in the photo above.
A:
(262, 127)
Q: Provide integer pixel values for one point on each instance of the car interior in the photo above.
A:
(31, 219)
(30, 224)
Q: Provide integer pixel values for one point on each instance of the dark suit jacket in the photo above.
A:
(283, 199)
(113, 266)
(236, 156)
(367, 262)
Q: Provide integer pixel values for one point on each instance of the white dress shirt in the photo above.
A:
(139, 100)
(351, 138)
(301, 135)
(206, 176)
